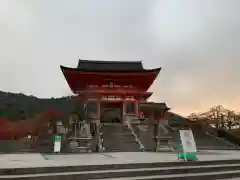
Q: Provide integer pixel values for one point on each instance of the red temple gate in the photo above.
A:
(111, 84)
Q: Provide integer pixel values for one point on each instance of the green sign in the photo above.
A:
(188, 156)
(58, 138)
(187, 149)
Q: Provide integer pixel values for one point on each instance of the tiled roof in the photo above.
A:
(110, 65)
(154, 106)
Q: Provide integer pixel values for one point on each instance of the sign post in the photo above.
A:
(188, 149)
(57, 143)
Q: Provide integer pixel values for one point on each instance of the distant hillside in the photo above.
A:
(19, 106)
(175, 119)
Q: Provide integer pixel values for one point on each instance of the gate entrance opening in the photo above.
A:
(111, 112)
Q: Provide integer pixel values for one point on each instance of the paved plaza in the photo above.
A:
(41, 160)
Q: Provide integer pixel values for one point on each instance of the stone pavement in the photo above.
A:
(119, 166)
(238, 178)
(40, 160)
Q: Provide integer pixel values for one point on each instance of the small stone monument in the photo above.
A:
(85, 137)
(162, 136)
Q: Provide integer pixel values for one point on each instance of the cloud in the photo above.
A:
(195, 41)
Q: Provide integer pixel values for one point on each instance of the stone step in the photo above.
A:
(119, 137)
(189, 176)
(118, 134)
(126, 145)
(168, 165)
(203, 141)
(167, 170)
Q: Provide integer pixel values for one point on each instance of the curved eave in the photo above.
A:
(154, 106)
(147, 95)
(63, 68)
(150, 75)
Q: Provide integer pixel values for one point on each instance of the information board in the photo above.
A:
(57, 143)
(188, 145)
(187, 140)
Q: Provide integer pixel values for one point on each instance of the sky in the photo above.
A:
(196, 42)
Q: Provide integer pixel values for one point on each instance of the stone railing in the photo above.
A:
(129, 124)
(163, 137)
(81, 141)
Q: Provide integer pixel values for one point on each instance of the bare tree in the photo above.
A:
(218, 116)
(232, 119)
(193, 116)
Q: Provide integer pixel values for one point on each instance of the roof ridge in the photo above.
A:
(106, 62)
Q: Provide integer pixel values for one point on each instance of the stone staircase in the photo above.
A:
(204, 140)
(146, 136)
(197, 170)
(44, 144)
(118, 138)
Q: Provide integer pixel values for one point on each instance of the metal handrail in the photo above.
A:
(135, 135)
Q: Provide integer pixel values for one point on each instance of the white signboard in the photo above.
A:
(188, 142)
(57, 144)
